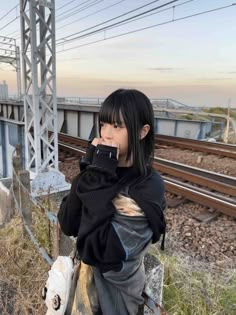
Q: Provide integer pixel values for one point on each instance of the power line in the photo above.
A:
(9, 23)
(65, 5)
(16, 31)
(131, 11)
(154, 13)
(108, 7)
(9, 12)
(12, 33)
(151, 26)
(78, 5)
(17, 17)
(7, 65)
(13, 20)
(114, 24)
(7, 70)
(80, 10)
(112, 5)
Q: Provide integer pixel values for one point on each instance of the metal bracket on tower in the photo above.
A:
(10, 54)
(39, 83)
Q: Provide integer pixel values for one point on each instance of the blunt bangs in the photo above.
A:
(110, 112)
(135, 109)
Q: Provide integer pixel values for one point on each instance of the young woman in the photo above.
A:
(115, 206)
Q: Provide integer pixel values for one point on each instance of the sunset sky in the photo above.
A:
(192, 60)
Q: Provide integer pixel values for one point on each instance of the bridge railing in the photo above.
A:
(167, 103)
(80, 100)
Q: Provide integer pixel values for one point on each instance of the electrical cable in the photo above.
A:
(9, 23)
(65, 5)
(154, 13)
(131, 11)
(80, 10)
(12, 33)
(81, 18)
(8, 12)
(16, 31)
(151, 26)
(72, 9)
(112, 5)
(114, 24)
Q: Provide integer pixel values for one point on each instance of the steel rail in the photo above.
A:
(221, 149)
(213, 181)
(68, 148)
(202, 190)
(70, 139)
(230, 180)
(204, 199)
(226, 150)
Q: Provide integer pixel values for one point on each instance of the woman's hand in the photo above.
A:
(109, 143)
(95, 141)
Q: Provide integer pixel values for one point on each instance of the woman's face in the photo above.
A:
(116, 135)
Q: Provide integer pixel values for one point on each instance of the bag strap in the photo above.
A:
(76, 266)
(74, 281)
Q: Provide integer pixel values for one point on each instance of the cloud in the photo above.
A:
(96, 87)
(216, 79)
(71, 59)
(163, 69)
(228, 72)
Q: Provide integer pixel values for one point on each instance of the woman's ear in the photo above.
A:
(144, 131)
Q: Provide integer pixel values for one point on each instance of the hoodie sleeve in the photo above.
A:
(98, 243)
(88, 210)
(150, 196)
(69, 214)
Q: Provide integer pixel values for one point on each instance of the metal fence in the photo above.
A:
(31, 209)
(156, 102)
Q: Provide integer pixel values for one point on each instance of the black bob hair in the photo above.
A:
(136, 110)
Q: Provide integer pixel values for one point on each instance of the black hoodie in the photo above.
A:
(87, 212)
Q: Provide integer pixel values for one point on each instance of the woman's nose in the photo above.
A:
(107, 134)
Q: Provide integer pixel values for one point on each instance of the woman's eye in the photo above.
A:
(116, 125)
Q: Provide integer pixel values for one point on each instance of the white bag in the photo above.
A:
(57, 289)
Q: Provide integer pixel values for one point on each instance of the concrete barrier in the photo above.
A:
(6, 201)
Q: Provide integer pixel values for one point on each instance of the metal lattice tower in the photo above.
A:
(10, 54)
(39, 83)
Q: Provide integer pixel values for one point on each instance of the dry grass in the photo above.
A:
(195, 288)
(22, 273)
(190, 288)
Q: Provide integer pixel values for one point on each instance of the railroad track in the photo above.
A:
(227, 150)
(203, 187)
(62, 137)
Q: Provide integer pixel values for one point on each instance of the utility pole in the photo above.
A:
(39, 84)
(226, 135)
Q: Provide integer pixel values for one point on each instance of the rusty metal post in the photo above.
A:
(54, 235)
(66, 244)
(16, 166)
(25, 202)
(18, 150)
